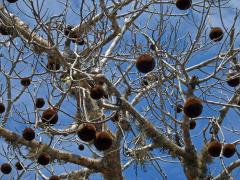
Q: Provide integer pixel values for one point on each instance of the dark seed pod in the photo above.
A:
(81, 147)
(229, 150)
(6, 168)
(214, 148)
(28, 134)
(233, 79)
(50, 116)
(87, 133)
(192, 124)
(40, 102)
(54, 178)
(179, 108)
(19, 166)
(25, 82)
(97, 92)
(193, 107)
(43, 159)
(68, 29)
(2, 108)
(53, 64)
(216, 34)
(183, 4)
(77, 39)
(103, 141)
(12, 1)
(145, 63)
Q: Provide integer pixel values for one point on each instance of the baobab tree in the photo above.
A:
(92, 89)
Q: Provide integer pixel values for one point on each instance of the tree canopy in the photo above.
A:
(104, 89)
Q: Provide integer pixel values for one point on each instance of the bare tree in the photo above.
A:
(97, 87)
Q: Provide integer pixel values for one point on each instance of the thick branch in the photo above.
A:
(54, 153)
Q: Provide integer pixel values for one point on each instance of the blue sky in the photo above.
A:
(173, 170)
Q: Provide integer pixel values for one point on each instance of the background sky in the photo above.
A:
(173, 170)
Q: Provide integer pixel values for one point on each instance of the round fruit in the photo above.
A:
(229, 150)
(28, 134)
(19, 166)
(216, 34)
(87, 132)
(97, 92)
(40, 102)
(68, 29)
(103, 141)
(145, 63)
(192, 124)
(81, 147)
(77, 39)
(233, 80)
(6, 168)
(43, 159)
(54, 178)
(183, 4)
(193, 107)
(179, 108)
(25, 82)
(50, 116)
(214, 148)
(2, 108)
(12, 1)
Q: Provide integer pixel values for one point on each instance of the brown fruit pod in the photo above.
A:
(216, 34)
(12, 1)
(233, 79)
(25, 81)
(50, 116)
(103, 141)
(2, 108)
(192, 107)
(183, 4)
(40, 102)
(97, 92)
(6, 168)
(214, 148)
(19, 166)
(87, 133)
(229, 150)
(81, 147)
(192, 124)
(145, 63)
(43, 159)
(28, 134)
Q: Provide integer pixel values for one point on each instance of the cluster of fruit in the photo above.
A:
(192, 108)
(215, 148)
(43, 158)
(102, 140)
(6, 168)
